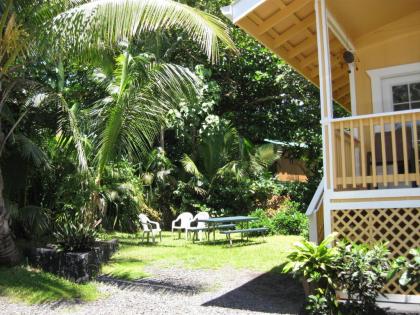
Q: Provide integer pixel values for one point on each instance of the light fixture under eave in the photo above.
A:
(348, 57)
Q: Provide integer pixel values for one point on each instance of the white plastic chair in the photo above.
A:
(200, 227)
(184, 220)
(147, 227)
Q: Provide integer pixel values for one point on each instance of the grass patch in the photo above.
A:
(34, 287)
(132, 258)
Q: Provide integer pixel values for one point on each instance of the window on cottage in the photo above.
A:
(406, 96)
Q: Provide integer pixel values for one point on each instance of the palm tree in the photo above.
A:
(225, 153)
(83, 30)
(141, 91)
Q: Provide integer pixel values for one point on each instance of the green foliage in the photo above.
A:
(73, 233)
(121, 197)
(31, 221)
(141, 91)
(410, 268)
(359, 270)
(290, 220)
(263, 220)
(287, 220)
(316, 264)
(322, 302)
(104, 25)
(264, 187)
(362, 273)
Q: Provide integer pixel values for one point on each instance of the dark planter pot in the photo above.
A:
(308, 287)
(74, 266)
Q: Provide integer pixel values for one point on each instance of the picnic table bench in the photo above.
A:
(243, 231)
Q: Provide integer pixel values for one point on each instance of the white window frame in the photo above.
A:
(378, 75)
(387, 93)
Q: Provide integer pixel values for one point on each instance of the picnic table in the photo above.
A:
(215, 223)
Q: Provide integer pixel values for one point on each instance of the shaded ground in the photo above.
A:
(180, 291)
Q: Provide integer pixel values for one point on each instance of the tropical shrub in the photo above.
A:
(362, 273)
(73, 233)
(359, 270)
(263, 189)
(409, 268)
(298, 191)
(316, 265)
(121, 194)
(263, 220)
(289, 220)
(286, 220)
(31, 222)
(230, 194)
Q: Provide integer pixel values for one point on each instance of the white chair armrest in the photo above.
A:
(155, 223)
(175, 221)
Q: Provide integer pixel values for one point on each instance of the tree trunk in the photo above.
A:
(9, 254)
(162, 137)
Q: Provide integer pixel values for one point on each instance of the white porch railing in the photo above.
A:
(376, 151)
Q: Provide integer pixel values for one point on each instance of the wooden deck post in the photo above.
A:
(325, 87)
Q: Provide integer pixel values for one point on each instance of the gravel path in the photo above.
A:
(179, 291)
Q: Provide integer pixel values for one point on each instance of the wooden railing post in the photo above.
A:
(393, 142)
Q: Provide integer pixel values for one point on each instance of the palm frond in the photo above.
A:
(190, 167)
(68, 125)
(234, 168)
(265, 155)
(135, 114)
(30, 150)
(70, 121)
(102, 23)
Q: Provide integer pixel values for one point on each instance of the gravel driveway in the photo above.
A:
(179, 291)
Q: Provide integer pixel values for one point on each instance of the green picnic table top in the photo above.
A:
(228, 219)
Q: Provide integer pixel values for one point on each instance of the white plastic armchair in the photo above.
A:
(200, 227)
(182, 222)
(149, 227)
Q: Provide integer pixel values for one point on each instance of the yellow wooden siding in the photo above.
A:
(395, 44)
(291, 170)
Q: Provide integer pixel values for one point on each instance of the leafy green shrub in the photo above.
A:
(263, 188)
(230, 194)
(299, 191)
(72, 233)
(121, 193)
(362, 273)
(317, 265)
(263, 220)
(359, 270)
(320, 303)
(32, 222)
(410, 269)
(290, 221)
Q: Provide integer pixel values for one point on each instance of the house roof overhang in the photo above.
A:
(287, 27)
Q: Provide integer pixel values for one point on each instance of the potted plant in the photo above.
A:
(316, 266)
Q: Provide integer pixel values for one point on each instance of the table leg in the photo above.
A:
(214, 233)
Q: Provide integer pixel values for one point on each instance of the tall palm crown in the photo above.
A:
(140, 91)
(102, 23)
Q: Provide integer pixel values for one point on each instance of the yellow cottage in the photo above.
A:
(364, 55)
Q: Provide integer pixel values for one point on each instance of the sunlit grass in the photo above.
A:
(133, 256)
(33, 287)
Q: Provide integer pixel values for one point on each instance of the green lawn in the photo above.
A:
(132, 258)
(33, 286)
